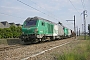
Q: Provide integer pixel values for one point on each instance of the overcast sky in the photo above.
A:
(53, 10)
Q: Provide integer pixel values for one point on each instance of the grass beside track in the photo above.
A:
(10, 41)
(82, 38)
(3, 41)
(80, 52)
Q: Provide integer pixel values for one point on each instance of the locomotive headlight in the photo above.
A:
(22, 36)
(22, 32)
(36, 30)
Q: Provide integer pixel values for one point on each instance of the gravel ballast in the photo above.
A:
(29, 50)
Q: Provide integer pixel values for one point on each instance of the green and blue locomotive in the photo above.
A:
(37, 29)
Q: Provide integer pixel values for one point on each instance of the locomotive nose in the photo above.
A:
(31, 30)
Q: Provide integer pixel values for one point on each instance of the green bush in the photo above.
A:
(0, 36)
(12, 32)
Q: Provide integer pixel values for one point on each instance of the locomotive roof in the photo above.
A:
(39, 18)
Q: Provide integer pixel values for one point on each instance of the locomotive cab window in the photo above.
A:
(43, 24)
(30, 23)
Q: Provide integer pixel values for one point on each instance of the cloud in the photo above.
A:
(11, 7)
(17, 9)
(48, 7)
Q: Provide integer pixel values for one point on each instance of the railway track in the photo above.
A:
(9, 47)
(42, 52)
(24, 52)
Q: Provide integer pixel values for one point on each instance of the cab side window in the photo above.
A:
(43, 24)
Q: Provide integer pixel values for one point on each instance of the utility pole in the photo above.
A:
(79, 31)
(74, 24)
(82, 29)
(89, 29)
(84, 16)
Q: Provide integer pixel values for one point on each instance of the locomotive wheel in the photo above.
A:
(36, 41)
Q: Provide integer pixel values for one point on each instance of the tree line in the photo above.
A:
(12, 32)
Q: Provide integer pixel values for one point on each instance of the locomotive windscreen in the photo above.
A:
(30, 23)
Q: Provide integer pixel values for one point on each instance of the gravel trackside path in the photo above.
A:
(31, 50)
